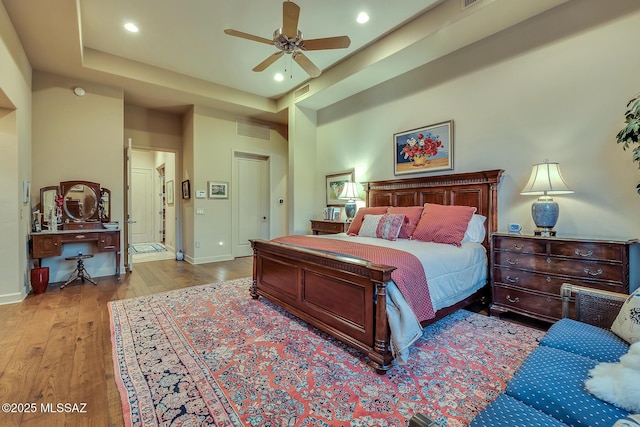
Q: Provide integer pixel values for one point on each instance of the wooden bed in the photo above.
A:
(346, 297)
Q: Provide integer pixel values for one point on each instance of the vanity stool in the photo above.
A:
(80, 272)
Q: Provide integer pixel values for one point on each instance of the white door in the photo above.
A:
(251, 197)
(142, 208)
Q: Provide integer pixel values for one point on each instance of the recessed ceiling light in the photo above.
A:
(130, 26)
(362, 18)
(278, 77)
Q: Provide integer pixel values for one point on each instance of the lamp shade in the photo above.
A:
(350, 191)
(546, 179)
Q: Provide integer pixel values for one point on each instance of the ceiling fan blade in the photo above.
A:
(290, 15)
(339, 42)
(247, 36)
(306, 64)
(270, 60)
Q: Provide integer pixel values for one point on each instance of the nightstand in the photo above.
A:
(528, 271)
(319, 226)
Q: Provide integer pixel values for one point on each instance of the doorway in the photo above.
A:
(250, 201)
(153, 235)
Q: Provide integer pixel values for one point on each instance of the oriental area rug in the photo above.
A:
(212, 355)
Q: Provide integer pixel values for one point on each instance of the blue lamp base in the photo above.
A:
(545, 214)
(350, 209)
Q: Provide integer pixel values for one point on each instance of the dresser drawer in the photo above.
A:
(588, 250)
(523, 246)
(541, 306)
(585, 269)
(79, 237)
(547, 283)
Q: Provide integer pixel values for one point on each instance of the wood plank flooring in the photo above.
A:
(55, 348)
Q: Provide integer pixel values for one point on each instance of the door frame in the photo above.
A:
(178, 201)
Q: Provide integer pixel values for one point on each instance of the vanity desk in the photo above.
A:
(75, 212)
(47, 244)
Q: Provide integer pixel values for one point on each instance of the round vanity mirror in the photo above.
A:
(80, 200)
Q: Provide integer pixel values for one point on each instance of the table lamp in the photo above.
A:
(545, 181)
(350, 193)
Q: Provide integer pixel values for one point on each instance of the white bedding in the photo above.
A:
(453, 273)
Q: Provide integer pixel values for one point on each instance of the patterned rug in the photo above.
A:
(211, 355)
(145, 248)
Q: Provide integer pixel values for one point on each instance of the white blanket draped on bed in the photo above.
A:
(453, 273)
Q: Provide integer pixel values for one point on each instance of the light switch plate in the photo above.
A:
(201, 194)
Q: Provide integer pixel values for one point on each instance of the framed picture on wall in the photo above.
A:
(218, 190)
(186, 189)
(335, 184)
(424, 149)
(169, 192)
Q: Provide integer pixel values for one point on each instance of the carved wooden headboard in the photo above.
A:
(478, 189)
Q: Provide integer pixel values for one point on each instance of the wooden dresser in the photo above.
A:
(319, 226)
(527, 271)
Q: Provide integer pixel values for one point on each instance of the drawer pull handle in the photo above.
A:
(510, 280)
(514, 300)
(548, 279)
(80, 236)
(580, 253)
(512, 262)
(548, 260)
(596, 273)
(518, 247)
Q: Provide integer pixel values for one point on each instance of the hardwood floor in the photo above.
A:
(55, 348)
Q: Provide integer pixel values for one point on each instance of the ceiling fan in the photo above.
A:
(289, 40)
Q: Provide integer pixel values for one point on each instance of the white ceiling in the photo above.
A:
(187, 36)
(182, 57)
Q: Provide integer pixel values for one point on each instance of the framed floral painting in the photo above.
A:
(425, 149)
(335, 184)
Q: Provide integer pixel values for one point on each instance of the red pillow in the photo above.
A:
(443, 223)
(411, 217)
(354, 228)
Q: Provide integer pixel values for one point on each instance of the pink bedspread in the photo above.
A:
(408, 276)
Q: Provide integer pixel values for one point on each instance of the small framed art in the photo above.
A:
(335, 184)
(424, 149)
(218, 190)
(186, 189)
(169, 192)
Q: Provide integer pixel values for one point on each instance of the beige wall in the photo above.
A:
(78, 138)
(212, 149)
(15, 163)
(555, 87)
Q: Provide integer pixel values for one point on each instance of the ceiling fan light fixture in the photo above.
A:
(363, 18)
(289, 39)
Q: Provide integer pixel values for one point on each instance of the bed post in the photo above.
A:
(381, 357)
(254, 283)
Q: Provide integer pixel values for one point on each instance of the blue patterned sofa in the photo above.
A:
(548, 388)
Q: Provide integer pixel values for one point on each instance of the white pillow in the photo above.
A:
(475, 229)
(627, 324)
(369, 226)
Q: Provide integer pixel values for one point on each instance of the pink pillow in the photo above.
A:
(389, 226)
(443, 223)
(354, 228)
(411, 217)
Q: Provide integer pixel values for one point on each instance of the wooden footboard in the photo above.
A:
(343, 296)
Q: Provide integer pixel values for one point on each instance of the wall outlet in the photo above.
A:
(197, 244)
